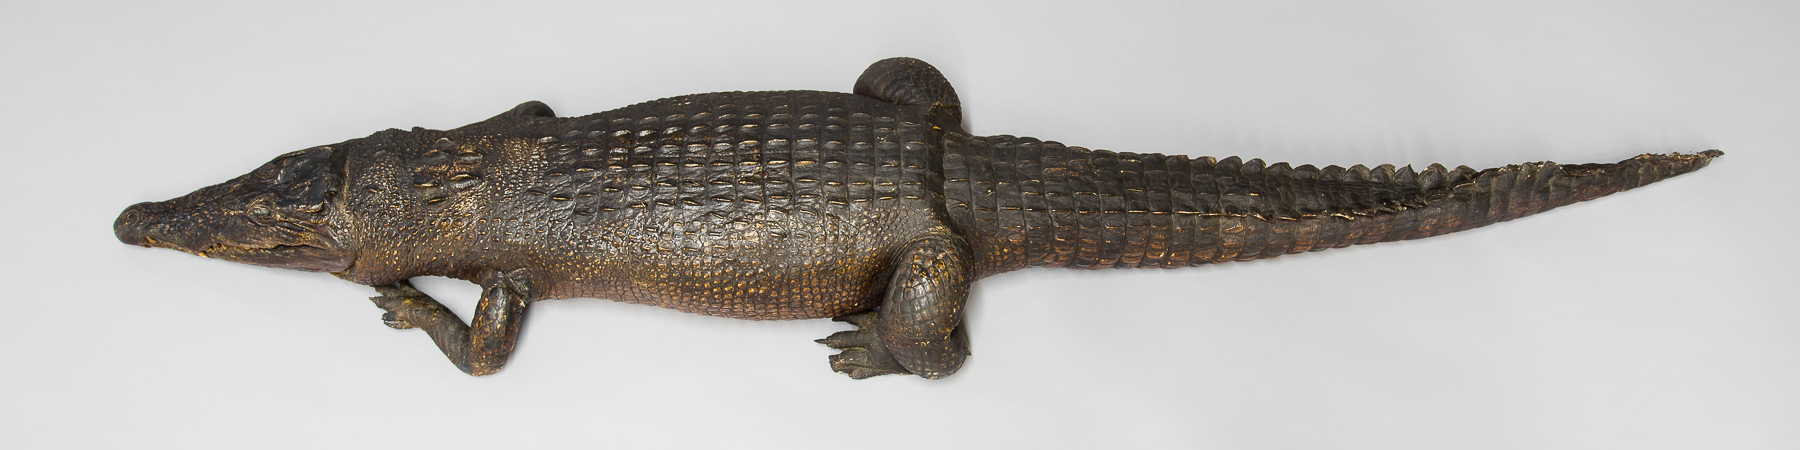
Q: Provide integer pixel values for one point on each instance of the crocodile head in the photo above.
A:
(280, 215)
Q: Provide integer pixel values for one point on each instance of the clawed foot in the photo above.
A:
(394, 299)
(863, 355)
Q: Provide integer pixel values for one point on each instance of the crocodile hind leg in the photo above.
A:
(918, 328)
(478, 349)
(908, 81)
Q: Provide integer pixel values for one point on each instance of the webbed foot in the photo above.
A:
(863, 354)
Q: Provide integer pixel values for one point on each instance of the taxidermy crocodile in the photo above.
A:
(876, 208)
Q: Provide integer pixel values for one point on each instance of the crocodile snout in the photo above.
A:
(130, 227)
(147, 225)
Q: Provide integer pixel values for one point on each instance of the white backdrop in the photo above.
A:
(1656, 319)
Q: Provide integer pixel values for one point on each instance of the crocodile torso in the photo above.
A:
(755, 205)
(874, 207)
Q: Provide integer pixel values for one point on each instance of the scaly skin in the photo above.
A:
(876, 208)
(1030, 203)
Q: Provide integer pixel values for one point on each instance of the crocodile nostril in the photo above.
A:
(130, 226)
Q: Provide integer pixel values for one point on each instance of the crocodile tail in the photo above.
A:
(1500, 194)
(1023, 203)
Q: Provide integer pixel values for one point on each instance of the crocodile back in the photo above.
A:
(722, 157)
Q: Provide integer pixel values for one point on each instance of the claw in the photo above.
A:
(393, 320)
(860, 363)
(841, 340)
(863, 355)
(393, 299)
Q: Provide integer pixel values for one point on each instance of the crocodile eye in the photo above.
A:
(260, 212)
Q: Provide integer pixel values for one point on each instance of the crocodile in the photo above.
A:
(874, 207)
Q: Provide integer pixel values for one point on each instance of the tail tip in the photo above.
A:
(1705, 157)
(1693, 161)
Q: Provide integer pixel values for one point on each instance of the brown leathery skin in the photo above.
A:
(770, 205)
(1032, 203)
(480, 347)
(921, 320)
(908, 81)
(874, 208)
(282, 214)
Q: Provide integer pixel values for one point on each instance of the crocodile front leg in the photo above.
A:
(918, 329)
(478, 349)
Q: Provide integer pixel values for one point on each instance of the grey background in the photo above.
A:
(1658, 318)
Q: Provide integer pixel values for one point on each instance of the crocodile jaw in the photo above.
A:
(158, 225)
